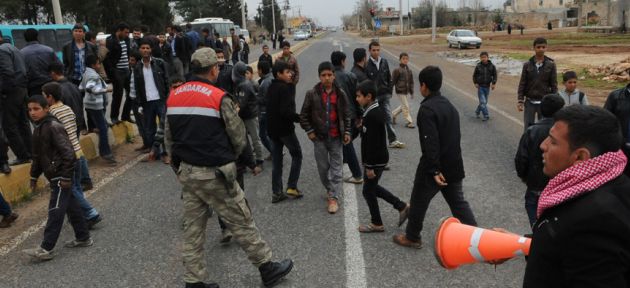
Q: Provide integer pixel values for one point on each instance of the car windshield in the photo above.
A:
(465, 33)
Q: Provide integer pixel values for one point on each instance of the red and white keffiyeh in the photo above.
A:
(580, 178)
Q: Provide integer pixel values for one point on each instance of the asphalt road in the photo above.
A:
(138, 244)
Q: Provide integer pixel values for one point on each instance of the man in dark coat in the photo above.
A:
(618, 103)
(74, 54)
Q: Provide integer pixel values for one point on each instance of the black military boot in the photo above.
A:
(272, 272)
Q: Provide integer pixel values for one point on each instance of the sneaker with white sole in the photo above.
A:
(77, 243)
(353, 180)
(39, 253)
(396, 144)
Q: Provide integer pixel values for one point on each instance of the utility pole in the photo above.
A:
(57, 12)
(400, 13)
(273, 16)
(433, 21)
(243, 16)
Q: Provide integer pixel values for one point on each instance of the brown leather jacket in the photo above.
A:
(53, 153)
(313, 115)
(402, 77)
(536, 83)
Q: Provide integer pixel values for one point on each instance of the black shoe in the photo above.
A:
(109, 159)
(7, 220)
(272, 272)
(202, 285)
(93, 221)
(19, 162)
(4, 168)
(279, 198)
(87, 186)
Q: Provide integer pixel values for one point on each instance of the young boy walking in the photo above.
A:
(325, 117)
(375, 156)
(441, 166)
(485, 79)
(529, 159)
(570, 94)
(54, 156)
(95, 103)
(402, 77)
(52, 92)
(281, 130)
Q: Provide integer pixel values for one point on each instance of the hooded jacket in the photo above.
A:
(245, 92)
(95, 90)
(265, 82)
(313, 116)
(528, 160)
(536, 83)
(53, 154)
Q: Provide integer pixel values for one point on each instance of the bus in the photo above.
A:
(55, 35)
(215, 25)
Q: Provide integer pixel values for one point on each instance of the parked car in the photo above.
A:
(462, 39)
(300, 35)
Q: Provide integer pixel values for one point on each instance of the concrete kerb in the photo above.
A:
(15, 187)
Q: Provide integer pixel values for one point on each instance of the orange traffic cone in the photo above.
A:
(457, 244)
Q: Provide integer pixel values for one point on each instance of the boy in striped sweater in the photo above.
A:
(65, 115)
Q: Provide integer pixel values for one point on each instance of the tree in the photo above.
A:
(227, 9)
(497, 18)
(267, 17)
(362, 9)
(421, 16)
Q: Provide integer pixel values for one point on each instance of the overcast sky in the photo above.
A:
(329, 12)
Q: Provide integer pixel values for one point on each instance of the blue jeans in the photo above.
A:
(98, 118)
(85, 172)
(5, 209)
(531, 205)
(350, 157)
(88, 211)
(151, 110)
(483, 93)
(293, 145)
(262, 132)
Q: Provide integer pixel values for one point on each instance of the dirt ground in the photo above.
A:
(32, 212)
(570, 50)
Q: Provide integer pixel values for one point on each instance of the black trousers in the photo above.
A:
(15, 122)
(424, 189)
(372, 191)
(62, 202)
(120, 81)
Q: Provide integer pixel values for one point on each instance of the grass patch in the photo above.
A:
(568, 39)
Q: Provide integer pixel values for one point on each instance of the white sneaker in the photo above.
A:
(397, 144)
(39, 253)
(353, 180)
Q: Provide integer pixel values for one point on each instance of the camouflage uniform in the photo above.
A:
(216, 187)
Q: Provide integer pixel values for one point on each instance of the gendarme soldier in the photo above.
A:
(205, 136)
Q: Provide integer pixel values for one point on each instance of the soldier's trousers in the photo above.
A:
(202, 188)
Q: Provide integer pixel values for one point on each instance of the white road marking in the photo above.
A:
(355, 264)
(467, 94)
(15, 242)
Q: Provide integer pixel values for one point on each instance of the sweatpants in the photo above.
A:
(62, 202)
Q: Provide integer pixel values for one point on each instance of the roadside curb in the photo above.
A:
(15, 186)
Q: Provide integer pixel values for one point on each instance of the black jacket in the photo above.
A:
(71, 96)
(115, 50)
(68, 57)
(536, 83)
(166, 53)
(313, 115)
(264, 83)
(280, 110)
(268, 58)
(183, 48)
(440, 138)
(359, 73)
(53, 153)
(528, 160)
(246, 94)
(37, 59)
(618, 102)
(374, 153)
(485, 74)
(224, 81)
(381, 76)
(584, 242)
(12, 68)
(160, 77)
(347, 82)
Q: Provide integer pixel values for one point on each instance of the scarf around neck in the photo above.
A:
(581, 178)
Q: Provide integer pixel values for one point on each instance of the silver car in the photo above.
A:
(462, 39)
(300, 35)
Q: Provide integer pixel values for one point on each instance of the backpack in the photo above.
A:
(581, 97)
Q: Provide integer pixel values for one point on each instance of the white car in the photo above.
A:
(300, 35)
(462, 39)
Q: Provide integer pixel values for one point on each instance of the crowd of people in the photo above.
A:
(211, 121)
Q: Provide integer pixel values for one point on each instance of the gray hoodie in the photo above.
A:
(573, 98)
